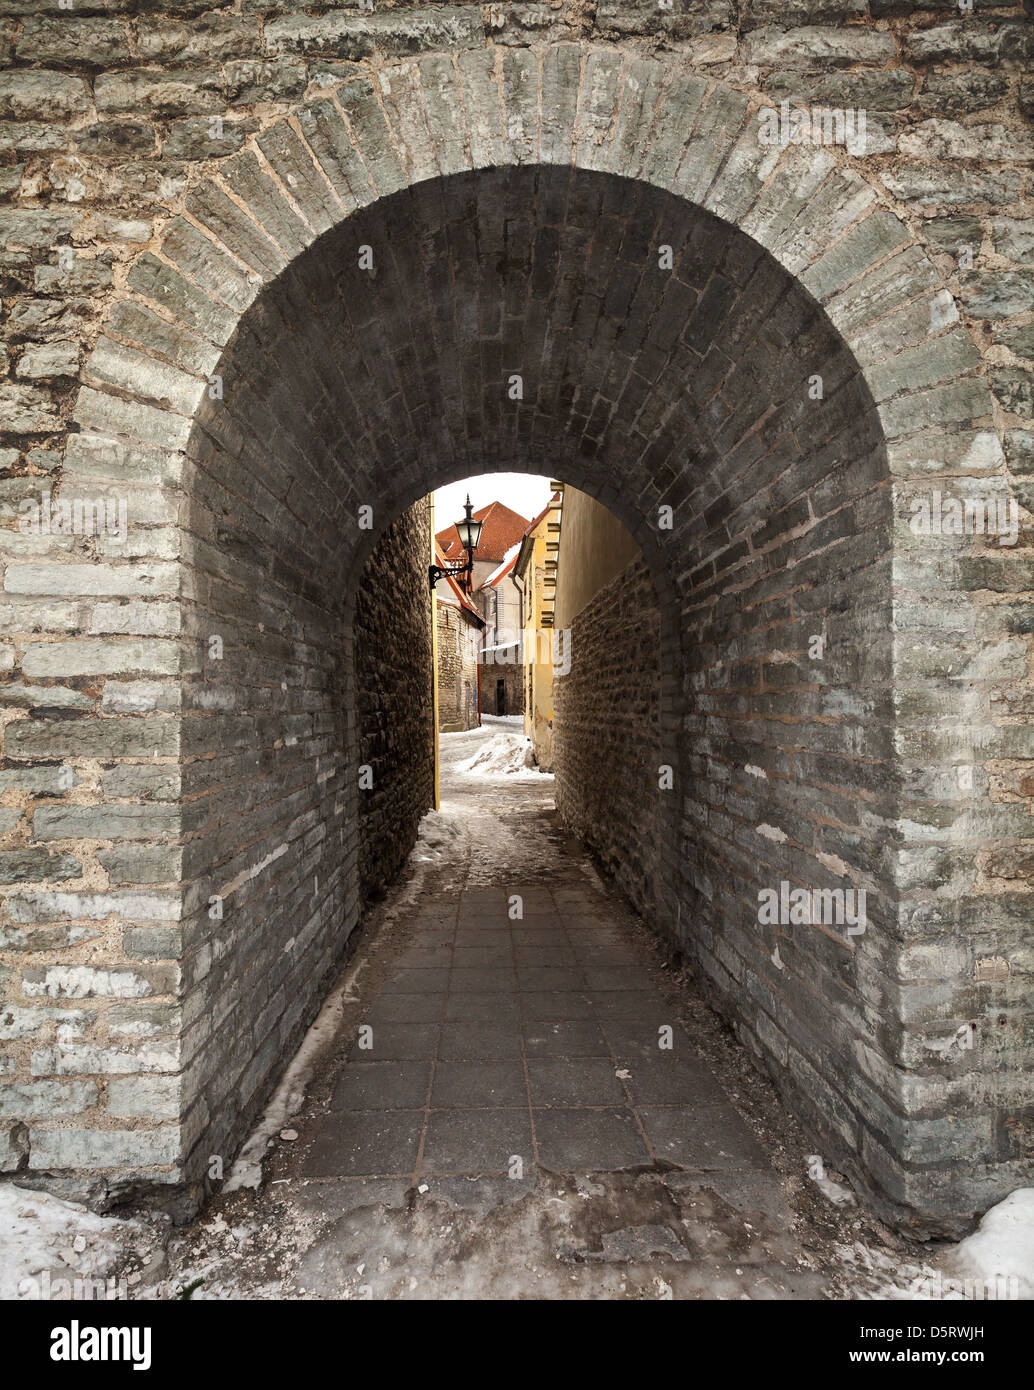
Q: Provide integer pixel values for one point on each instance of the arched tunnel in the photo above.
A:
(706, 975)
(604, 332)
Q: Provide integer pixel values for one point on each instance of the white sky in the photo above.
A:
(526, 493)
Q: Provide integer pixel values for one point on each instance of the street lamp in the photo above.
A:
(469, 532)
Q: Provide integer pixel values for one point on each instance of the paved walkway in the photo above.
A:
(497, 1113)
(524, 1027)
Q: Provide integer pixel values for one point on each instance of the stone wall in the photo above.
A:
(606, 734)
(457, 670)
(109, 117)
(188, 330)
(393, 677)
(504, 665)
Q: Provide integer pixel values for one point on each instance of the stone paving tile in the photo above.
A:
(640, 1005)
(538, 936)
(493, 1038)
(714, 1136)
(426, 957)
(486, 980)
(482, 957)
(550, 977)
(530, 957)
(398, 1042)
(547, 1006)
(476, 1141)
(570, 1038)
(416, 982)
(588, 951)
(634, 1038)
(611, 979)
(670, 1080)
(589, 1140)
(406, 1008)
(488, 909)
(481, 1007)
(360, 1143)
(383, 1086)
(582, 1082)
(468, 1085)
(477, 936)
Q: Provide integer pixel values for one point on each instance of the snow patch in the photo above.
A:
(753, 771)
(437, 832)
(44, 1241)
(1000, 1252)
(834, 1192)
(503, 755)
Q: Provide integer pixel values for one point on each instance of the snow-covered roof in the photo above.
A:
(501, 571)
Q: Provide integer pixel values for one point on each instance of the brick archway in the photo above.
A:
(906, 381)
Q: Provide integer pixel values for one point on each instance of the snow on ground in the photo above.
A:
(55, 1249)
(999, 1256)
(503, 721)
(499, 748)
(995, 1263)
(503, 753)
(437, 836)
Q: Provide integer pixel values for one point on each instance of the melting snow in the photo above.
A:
(505, 754)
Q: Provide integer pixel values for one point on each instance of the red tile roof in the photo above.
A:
(502, 528)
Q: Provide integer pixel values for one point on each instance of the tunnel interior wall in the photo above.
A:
(393, 683)
(606, 734)
(269, 802)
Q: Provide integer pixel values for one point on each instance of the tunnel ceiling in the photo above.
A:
(346, 386)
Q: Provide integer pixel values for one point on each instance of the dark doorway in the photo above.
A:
(500, 697)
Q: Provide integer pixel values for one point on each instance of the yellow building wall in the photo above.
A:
(594, 548)
(538, 654)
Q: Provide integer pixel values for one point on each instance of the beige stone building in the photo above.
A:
(460, 626)
(535, 578)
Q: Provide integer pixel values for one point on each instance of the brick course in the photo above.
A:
(606, 740)
(393, 676)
